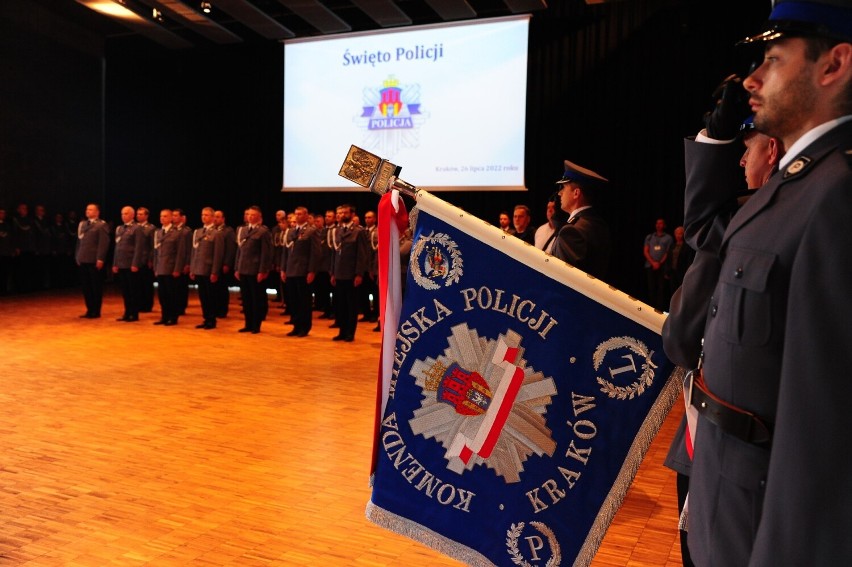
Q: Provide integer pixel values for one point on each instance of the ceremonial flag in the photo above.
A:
(519, 397)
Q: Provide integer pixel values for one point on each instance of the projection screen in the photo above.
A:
(445, 102)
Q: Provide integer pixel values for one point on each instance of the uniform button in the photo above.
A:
(713, 310)
(738, 273)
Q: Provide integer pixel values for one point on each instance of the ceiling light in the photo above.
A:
(205, 7)
(111, 9)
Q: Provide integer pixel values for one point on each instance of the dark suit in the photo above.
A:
(775, 345)
(208, 252)
(254, 256)
(92, 247)
(301, 255)
(584, 242)
(169, 255)
(351, 258)
(129, 253)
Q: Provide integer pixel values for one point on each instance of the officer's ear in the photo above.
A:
(838, 66)
(774, 148)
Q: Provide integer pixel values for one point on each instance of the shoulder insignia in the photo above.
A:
(799, 165)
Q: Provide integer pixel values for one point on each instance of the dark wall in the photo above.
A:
(51, 111)
(614, 87)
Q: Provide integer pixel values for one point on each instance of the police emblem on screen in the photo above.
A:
(391, 116)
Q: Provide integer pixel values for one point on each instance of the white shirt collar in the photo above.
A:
(575, 211)
(810, 137)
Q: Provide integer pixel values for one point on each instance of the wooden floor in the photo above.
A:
(134, 444)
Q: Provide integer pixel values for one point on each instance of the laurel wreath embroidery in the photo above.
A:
(456, 263)
(638, 387)
(514, 532)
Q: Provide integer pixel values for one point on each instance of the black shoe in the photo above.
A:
(201, 326)
(363, 319)
(302, 334)
(123, 318)
(209, 326)
(255, 331)
(348, 338)
(132, 319)
(292, 333)
(377, 328)
(244, 330)
(337, 338)
(169, 323)
(160, 322)
(334, 326)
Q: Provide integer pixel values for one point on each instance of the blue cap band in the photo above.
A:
(831, 21)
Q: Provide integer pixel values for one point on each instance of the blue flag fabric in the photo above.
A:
(522, 398)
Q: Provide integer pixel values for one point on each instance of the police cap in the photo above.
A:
(794, 18)
(585, 178)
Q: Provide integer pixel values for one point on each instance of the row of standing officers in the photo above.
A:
(215, 255)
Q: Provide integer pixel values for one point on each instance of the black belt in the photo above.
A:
(732, 420)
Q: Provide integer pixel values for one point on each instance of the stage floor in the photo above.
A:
(133, 444)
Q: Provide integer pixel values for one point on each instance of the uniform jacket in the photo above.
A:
(208, 252)
(776, 344)
(92, 241)
(169, 251)
(351, 252)
(584, 242)
(129, 247)
(229, 238)
(146, 233)
(254, 251)
(326, 249)
(186, 234)
(301, 252)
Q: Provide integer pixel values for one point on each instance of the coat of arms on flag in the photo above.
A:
(519, 396)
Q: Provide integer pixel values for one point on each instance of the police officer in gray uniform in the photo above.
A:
(300, 259)
(146, 268)
(220, 289)
(254, 260)
(351, 259)
(208, 253)
(91, 253)
(169, 254)
(127, 260)
(768, 484)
